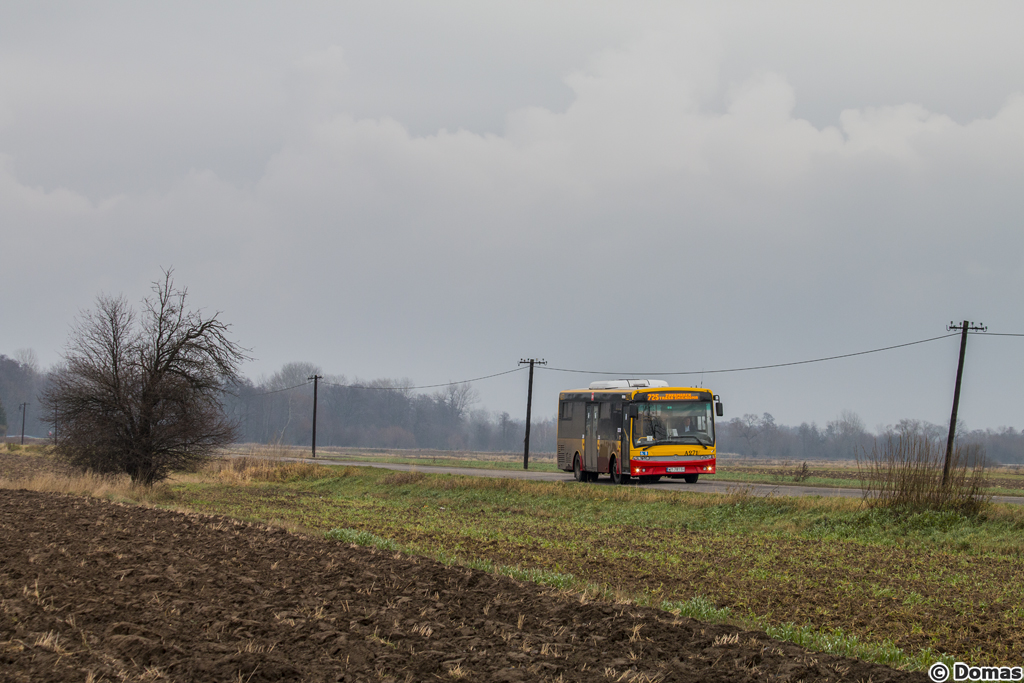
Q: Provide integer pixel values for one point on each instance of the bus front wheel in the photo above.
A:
(691, 478)
(619, 477)
(577, 472)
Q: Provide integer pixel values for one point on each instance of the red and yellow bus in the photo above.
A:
(638, 429)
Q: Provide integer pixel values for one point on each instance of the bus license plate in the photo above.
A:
(675, 469)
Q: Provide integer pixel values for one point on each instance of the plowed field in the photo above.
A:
(92, 590)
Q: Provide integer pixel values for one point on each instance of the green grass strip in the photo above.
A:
(363, 538)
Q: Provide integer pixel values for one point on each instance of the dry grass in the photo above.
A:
(36, 448)
(249, 470)
(399, 478)
(112, 487)
(457, 672)
(265, 463)
(260, 466)
(50, 641)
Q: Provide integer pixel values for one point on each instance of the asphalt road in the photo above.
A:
(702, 486)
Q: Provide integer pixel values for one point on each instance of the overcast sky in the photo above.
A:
(436, 190)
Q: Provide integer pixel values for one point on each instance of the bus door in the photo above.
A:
(590, 445)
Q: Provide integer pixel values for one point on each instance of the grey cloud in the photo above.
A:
(679, 175)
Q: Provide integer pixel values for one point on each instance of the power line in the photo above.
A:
(753, 367)
(643, 374)
(276, 391)
(363, 386)
(424, 386)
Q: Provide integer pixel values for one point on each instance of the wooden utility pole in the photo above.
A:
(24, 409)
(963, 328)
(315, 379)
(529, 405)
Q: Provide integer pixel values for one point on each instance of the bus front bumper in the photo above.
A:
(649, 468)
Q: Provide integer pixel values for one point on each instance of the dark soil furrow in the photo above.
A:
(93, 590)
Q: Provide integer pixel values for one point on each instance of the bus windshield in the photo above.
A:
(674, 422)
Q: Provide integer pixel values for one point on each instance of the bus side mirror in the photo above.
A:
(718, 409)
(632, 411)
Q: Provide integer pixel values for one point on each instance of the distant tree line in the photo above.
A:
(761, 437)
(386, 413)
(846, 437)
(382, 413)
(21, 381)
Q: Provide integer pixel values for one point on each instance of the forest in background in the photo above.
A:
(21, 381)
(846, 437)
(382, 413)
(387, 413)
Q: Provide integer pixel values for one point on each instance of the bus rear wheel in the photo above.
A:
(691, 478)
(617, 476)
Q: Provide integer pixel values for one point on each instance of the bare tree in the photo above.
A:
(505, 422)
(457, 398)
(28, 358)
(141, 394)
(769, 433)
(748, 427)
(847, 436)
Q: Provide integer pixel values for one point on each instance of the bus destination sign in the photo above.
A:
(673, 397)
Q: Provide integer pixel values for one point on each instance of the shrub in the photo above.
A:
(905, 472)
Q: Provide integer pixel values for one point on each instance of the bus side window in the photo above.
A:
(606, 427)
(566, 412)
